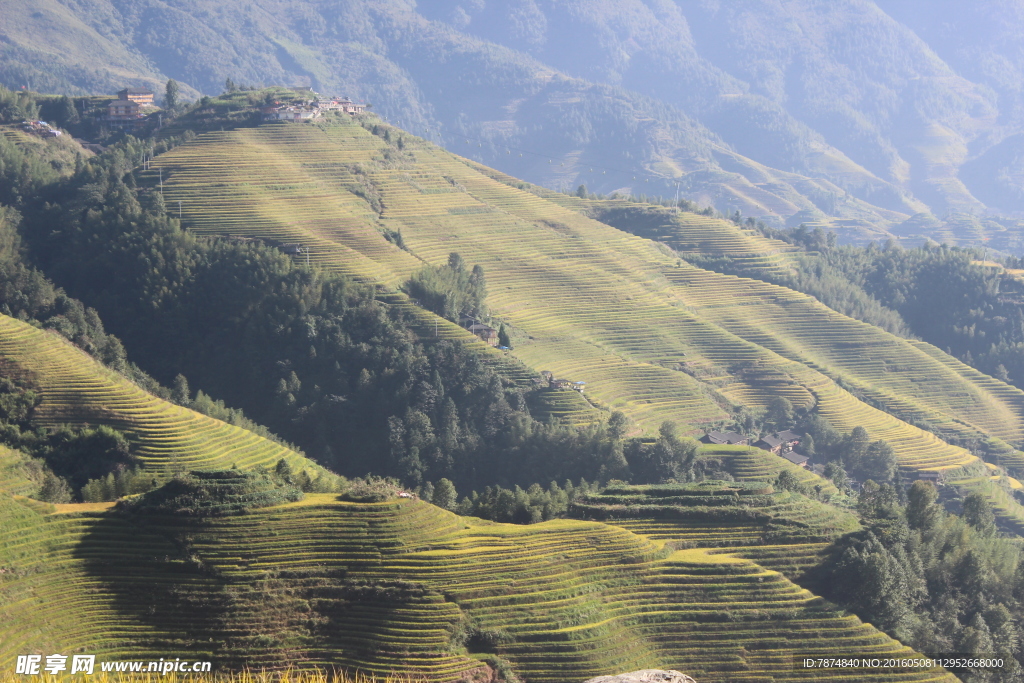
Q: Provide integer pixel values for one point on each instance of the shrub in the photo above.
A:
(211, 494)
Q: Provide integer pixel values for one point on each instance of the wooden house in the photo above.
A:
(771, 443)
(350, 107)
(120, 110)
(485, 332)
(779, 443)
(725, 438)
(140, 96)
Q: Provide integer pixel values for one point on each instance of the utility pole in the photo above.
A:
(179, 210)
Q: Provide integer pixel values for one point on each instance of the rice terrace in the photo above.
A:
(532, 342)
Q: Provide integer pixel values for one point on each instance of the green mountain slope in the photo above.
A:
(406, 585)
(781, 530)
(650, 334)
(75, 389)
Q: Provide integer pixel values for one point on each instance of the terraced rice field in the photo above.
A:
(908, 378)
(14, 476)
(597, 305)
(749, 464)
(692, 234)
(76, 389)
(385, 586)
(780, 530)
(272, 183)
(568, 406)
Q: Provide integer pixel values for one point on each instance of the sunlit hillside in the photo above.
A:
(650, 334)
(76, 389)
(404, 586)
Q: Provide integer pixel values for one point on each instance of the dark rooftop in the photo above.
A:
(726, 437)
(796, 458)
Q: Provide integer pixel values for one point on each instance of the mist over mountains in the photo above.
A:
(855, 114)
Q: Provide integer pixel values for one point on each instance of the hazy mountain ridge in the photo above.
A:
(866, 112)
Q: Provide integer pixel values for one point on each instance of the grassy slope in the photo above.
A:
(382, 586)
(15, 477)
(76, 389)
(781, 530)
(588, 301)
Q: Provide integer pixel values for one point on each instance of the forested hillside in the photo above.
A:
(872, 117)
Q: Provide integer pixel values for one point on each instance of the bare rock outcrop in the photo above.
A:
(645, 676)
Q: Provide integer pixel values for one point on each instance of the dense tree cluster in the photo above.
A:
(852, 453)
(939, 582)
(519, 506)
(451, 291)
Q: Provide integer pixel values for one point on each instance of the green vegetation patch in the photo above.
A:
(213, 494)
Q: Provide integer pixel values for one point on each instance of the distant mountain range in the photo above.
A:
(865, 116)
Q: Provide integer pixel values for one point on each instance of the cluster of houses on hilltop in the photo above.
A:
(311, 109)
(129, 109)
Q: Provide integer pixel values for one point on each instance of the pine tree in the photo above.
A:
(171, 94)
(180, 393)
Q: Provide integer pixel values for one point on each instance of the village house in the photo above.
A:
(124, 114)
(779, 443)
(340, 104)
(350, 107)
(485, 332)
(725, 438)
(141, 96)
(120, 110)
(770, 443)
